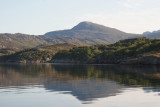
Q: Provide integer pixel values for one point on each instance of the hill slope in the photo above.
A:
(129, 51)
(38, 54)
(84, 33)
(20, 41)
(91, 33)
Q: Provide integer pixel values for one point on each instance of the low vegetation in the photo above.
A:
(113, 53)
(123, 49)
(43, 53)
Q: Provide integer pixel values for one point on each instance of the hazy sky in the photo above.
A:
(41, 16)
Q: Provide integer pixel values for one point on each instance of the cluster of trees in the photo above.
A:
(113, 53)
(28, 54)
(34, 55)
(77, 53)
(123, 49)
(41, 53)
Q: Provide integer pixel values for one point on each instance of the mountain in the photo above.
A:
(153, 35)
(20, 41)
(23, 41)
(91, 33)
(87, 33)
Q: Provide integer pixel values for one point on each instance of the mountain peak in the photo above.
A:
(86, 22)
(88, 26)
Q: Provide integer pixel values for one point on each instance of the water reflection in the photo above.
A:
(85, 82)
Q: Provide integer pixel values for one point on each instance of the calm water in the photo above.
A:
(50, 85)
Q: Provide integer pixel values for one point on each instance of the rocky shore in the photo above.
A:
(145, 60)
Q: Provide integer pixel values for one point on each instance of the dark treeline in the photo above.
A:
(124, 49)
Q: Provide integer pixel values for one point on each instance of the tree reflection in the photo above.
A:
(86, 82)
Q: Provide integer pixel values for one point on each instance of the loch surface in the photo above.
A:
(58, 85)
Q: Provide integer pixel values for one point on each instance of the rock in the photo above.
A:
(149, 60)
(143, 60)
(130, 62)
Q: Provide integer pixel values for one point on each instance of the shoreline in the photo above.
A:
(17, 63)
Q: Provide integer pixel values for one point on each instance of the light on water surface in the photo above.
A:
(79, 86)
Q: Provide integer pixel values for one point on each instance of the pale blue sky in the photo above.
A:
(41, 16)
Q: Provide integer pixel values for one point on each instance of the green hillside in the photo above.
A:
(39, 54)
(123, 50)
(129, 51)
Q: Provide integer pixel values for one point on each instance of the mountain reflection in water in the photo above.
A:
(85, 82)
